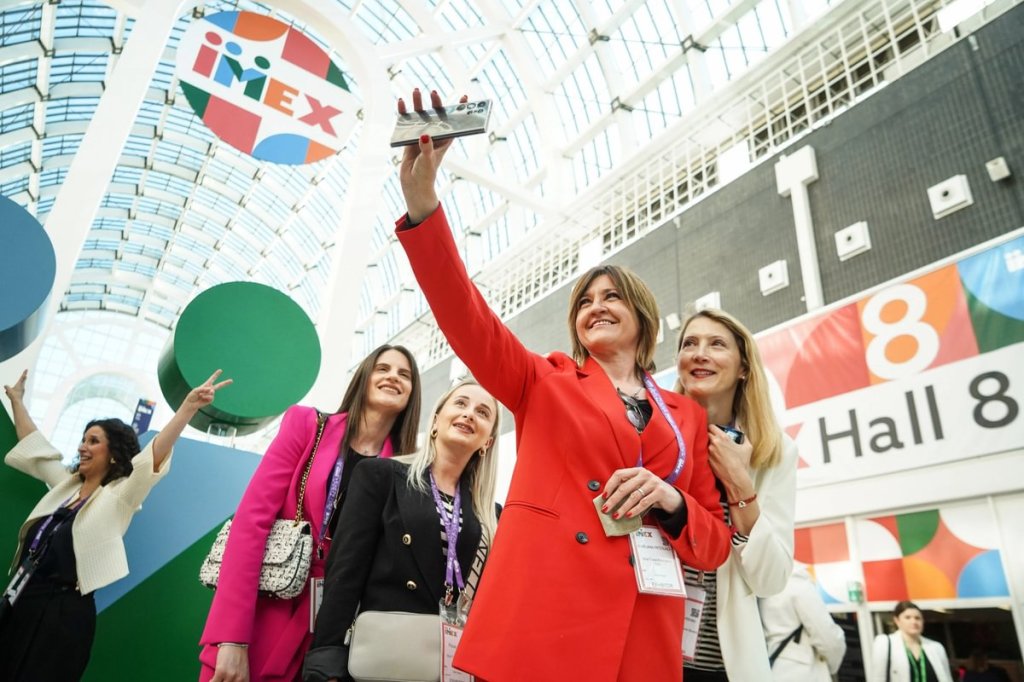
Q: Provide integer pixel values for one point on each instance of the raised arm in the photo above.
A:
(23, 424)
(198, 397)
(492, 353)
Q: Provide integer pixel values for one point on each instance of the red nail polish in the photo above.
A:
(604, 508)
(604, 495)
(615, 515)
(629, 515)
(424, 138)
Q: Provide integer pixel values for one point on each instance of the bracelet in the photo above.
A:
(240, 645)
(744, 503)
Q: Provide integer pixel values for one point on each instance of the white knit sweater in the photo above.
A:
(99, 527)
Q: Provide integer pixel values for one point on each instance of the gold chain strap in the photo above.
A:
(321, 422)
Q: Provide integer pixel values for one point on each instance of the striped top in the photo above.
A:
(708, 655)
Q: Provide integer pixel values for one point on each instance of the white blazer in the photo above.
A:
(822, 643)
(758, 568)
(97, 533)
(899, 666)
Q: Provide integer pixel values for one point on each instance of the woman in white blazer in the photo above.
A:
(72, 543)
(816, 652)
(720, 367)
(906, 655)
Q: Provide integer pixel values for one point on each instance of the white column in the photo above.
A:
(793, 172)
(89, 175)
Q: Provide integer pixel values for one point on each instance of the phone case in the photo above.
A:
(455, 120)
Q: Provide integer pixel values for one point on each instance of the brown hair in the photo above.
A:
(403, 431)
(638, 298)
(751, 404)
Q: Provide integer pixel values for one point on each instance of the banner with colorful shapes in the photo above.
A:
(917, 372)
(946, 553)
(265, 88)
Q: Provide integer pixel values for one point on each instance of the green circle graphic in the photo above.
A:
(260, 338)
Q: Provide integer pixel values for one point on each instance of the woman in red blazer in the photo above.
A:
(559, 599)
(252, 637)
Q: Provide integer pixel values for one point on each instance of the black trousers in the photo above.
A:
(47, 635)
(694, 675)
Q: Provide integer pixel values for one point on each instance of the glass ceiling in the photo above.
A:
(581, 88)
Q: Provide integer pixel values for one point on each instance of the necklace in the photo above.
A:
(623, 394)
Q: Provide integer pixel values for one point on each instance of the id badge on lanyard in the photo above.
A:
(656, 564)
(695, 595)
(451, 635)
(316, 598)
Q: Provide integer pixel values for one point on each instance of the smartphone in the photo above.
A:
(735, 434)
(455, 120)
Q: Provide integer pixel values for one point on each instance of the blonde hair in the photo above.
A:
(482, 469)
(751, 404)
(638, 298)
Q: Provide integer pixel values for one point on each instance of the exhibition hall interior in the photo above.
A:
(188, 187)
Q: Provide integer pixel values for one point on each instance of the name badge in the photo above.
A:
(316, 597)
(656, 564)
(450, 637)
(695, 595)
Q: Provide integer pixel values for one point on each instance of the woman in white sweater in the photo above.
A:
(720, 367)
(906, 655)
(72, 543)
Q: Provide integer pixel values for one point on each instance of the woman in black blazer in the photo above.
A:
(389, 553)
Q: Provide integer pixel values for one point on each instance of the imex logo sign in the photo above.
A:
(265, 88)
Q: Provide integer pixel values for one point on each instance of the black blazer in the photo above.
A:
(386, 556)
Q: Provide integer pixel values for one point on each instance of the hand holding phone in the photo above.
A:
(454, 120)
(735, 435)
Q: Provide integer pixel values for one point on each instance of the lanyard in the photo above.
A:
(921, 672)
(652, 388)
(453, 571)
(332, 494)
(32, 549)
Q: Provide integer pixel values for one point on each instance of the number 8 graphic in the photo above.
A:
(909, 325)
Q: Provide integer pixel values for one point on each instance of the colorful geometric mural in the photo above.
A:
(265, 88)
(934, 554)
(826, 552)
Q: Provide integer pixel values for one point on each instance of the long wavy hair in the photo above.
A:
(751, 404)
(122, 444)
(482, 468)
(403, 432)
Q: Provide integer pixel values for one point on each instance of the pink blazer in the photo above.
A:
(277, 631)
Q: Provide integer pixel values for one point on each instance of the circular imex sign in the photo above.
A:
(265, 88)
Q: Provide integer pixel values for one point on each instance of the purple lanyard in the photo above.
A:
(453, 571)
(332, 494)
(49, 519)
(652, 388)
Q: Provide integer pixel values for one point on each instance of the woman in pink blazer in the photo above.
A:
(249, 636)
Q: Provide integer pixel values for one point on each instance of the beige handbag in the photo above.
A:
(289, 551)
(395, 646)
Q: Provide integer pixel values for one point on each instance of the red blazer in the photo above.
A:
(276, 630)
(558, 599)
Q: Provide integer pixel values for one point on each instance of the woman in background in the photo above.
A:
(72, 543)
(906, 655)
(249, 636)
(720, 367)
(393, 528)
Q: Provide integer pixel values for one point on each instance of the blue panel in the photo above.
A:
(983, 577)
(28, 266)
(996, 278)
(200, 492)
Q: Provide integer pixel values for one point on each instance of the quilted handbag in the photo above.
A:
(289, 550)
(372, 653)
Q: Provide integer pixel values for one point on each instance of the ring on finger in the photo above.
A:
(641, 491)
